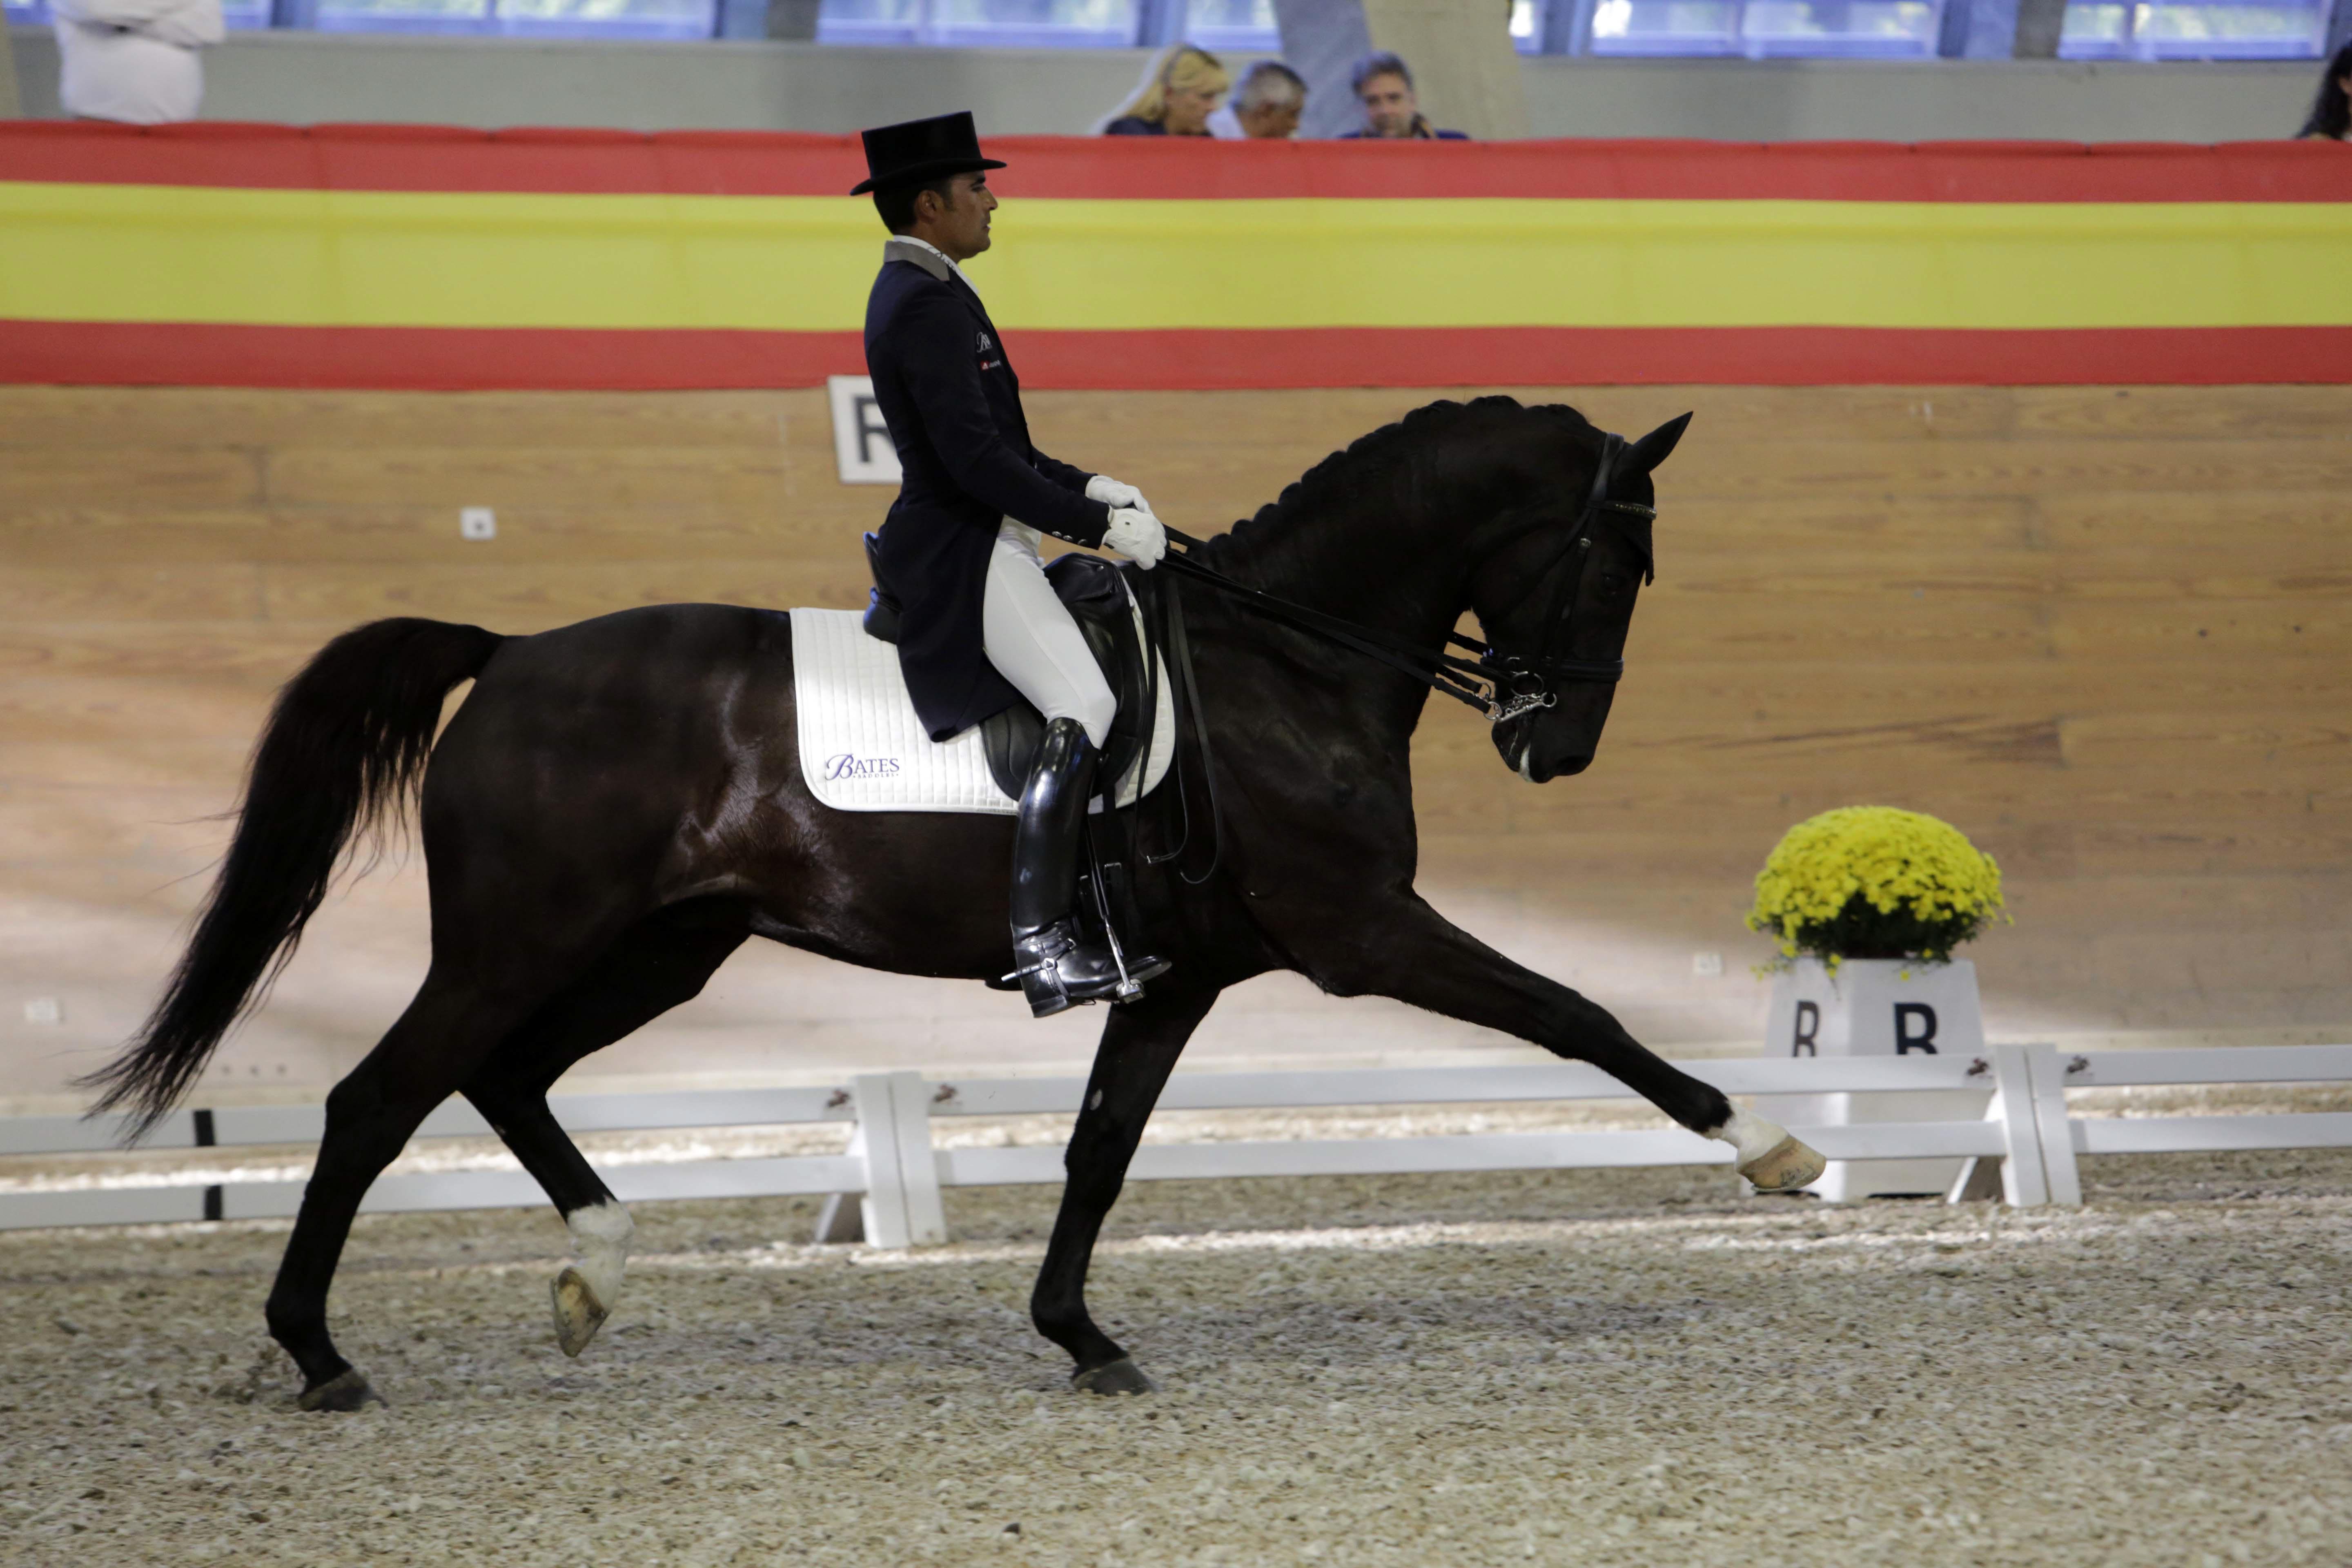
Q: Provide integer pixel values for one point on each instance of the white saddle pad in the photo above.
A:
(862, 748)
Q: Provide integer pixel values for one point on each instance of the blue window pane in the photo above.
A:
(1894, 29)
(237, 14)
(607, 18)
(404, 15)
(2230, 30)
(1527, 25)
(1082, 23)
(534, 18)
(1242, 24)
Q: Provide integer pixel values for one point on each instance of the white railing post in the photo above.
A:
(2025, 1181)
(918, 1164)
(884, 1206)
(842, 1217)
(2054, 1128)
(901, 1206)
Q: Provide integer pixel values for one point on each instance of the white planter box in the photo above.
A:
(1877, 1007)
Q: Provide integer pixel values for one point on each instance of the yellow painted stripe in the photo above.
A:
(140, 253)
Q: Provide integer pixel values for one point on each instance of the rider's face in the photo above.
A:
(958, 224)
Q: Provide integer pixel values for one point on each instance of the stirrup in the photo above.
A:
(1055, 970)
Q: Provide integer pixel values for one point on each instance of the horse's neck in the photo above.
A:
(1389, 572)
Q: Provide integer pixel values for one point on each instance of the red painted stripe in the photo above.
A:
(110, 354)
(704, 163)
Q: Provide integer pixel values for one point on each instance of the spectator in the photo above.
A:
(1267, 104)
(133, 60)
(2331, 112)
(1179, 92)
(1384, 88)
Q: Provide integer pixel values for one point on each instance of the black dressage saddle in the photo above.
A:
(1096, 597)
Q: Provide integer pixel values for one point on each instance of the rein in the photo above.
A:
(1501, 686)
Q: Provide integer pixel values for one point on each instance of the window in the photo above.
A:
(1527, 26)
(1761, 28)
(542, 18)
(1242, 24)
(236, 12)
(1755, 29)
(1082, 23)
(2229, 30)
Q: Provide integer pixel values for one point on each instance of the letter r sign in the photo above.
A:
(861, 440)
(1805, 1039)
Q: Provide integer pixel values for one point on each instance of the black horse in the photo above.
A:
(619, 804)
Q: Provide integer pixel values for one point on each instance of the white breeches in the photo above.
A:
(1033, 643)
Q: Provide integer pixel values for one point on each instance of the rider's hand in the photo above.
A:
(1137, 535)
(1109, 491)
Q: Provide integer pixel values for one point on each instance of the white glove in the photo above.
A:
(1109, 491)
(1137, 535)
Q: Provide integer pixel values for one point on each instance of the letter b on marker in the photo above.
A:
(1909, 1038)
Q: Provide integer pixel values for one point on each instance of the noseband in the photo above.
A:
(1503, 686)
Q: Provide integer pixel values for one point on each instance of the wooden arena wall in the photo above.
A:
(2107, 632)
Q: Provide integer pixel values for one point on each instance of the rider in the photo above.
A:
(979, 627)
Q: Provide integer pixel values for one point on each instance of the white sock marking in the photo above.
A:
(1751, 1136)
(600, 1239)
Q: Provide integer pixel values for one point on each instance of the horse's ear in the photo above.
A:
(1647, 453)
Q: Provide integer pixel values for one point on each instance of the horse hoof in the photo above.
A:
(578, 1313)
(1121, 1376)
(347, 1393)
(1787, 1164)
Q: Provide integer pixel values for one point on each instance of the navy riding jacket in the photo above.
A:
(953, 405)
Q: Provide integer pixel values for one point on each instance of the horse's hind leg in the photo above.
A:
(1139, 1046)
(660, 962)
(435, 1045)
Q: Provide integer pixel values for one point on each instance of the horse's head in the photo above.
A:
(1556, 599)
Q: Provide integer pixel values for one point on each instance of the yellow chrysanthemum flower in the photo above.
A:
(1873, 881)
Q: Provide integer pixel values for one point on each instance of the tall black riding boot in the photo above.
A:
(1055, 967)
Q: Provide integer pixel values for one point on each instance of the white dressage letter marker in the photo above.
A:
(861, 441)
(476, 522)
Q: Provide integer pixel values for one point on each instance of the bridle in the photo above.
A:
(1503, 686)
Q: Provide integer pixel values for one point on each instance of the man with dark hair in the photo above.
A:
(1383, 86)
(979, 626)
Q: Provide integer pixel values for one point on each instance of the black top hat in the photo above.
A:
(922, 150)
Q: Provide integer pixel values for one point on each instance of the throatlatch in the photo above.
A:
(1056, 962)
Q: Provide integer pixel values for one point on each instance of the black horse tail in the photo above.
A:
(345, 746)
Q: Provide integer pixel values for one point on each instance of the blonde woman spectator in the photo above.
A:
(1178, 94)
(133, 60)
(1267, 104)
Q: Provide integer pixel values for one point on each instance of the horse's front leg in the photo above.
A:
(1408, 951)
(1139, 1046)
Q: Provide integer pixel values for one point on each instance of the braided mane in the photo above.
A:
(1316, 490)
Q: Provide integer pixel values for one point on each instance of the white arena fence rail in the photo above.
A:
(886, 1186)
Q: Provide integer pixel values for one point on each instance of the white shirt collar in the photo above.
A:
(935, 250)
